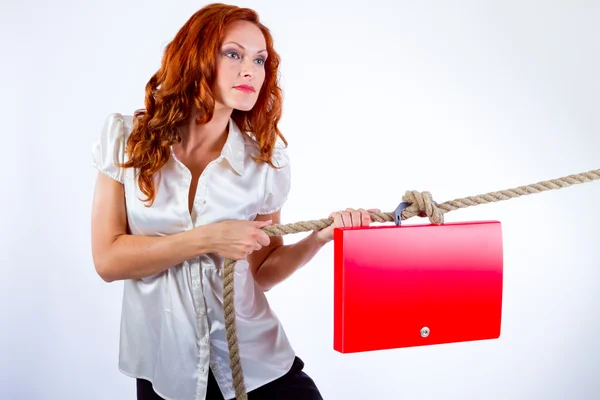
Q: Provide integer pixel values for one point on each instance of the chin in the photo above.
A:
(242, 106)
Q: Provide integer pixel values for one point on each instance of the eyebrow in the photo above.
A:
(236, 43)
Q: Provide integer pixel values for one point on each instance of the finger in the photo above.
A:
(263, 223)
(355, 217)
(365, 217)
(346, 218)
(257, 246)
(264, 239)
(337, 220)
(373, 210)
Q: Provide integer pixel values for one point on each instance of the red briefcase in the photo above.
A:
(415, 285)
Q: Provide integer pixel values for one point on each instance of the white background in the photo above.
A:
(457, 98)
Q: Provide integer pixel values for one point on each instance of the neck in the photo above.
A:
(210, 137)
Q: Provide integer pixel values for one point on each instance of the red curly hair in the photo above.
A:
(185, 78)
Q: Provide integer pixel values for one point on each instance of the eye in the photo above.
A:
(232, 54)
(261, 61)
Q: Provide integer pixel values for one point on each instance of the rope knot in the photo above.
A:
(422, 204)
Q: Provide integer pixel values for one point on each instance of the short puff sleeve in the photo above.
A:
(277, 185)
(108, 149)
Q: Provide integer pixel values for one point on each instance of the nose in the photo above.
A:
(248, 68)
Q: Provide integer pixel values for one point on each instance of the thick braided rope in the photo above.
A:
(421, 204)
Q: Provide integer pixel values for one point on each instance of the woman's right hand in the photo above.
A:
(237, 239)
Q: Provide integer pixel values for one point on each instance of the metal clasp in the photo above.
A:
(398, 212)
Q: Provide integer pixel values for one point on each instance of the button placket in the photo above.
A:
(199, 200)
(198, 299)
(204, 341)
(189, 219)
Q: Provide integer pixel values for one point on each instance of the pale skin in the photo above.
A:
(118, 255)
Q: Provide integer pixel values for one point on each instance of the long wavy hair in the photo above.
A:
(185, 78)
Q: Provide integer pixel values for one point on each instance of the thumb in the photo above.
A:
(264, 223)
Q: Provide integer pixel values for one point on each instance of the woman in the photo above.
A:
(186, 183)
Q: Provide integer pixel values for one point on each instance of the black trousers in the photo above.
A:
(295, 385)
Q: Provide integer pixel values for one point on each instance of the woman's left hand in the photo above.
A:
(348, 218)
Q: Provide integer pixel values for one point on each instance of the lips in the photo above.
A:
(245, 88)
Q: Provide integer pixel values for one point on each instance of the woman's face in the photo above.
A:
(240, 67)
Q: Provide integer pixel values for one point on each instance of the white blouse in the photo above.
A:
(172, 323)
